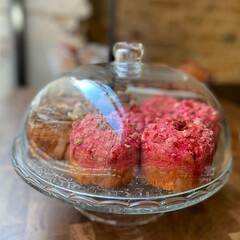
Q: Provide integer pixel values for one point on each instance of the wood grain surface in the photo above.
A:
(27, 214)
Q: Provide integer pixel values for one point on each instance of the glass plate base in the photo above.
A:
(119, 219)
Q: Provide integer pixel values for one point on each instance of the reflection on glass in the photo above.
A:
(104, 100)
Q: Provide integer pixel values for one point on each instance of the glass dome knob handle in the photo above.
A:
(128, 59)
(128, 52)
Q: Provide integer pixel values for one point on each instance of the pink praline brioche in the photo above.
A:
(193, 110)
(157, 106)
(104, 151)
(177, 155)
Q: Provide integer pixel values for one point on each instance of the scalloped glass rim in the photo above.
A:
(40, 184)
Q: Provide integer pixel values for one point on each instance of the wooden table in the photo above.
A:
(27, 214)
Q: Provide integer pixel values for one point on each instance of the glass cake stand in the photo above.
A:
(138, 203)
(83, 138)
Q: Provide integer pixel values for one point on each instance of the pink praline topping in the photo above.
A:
(170, 142)
(195, 110)
(94, 143)
(157, 106)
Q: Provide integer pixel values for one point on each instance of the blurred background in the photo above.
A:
(39, 40)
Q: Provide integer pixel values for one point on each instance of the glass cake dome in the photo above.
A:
(124, 138)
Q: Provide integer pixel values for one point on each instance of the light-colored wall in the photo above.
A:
(6, 53)
(50, 23)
